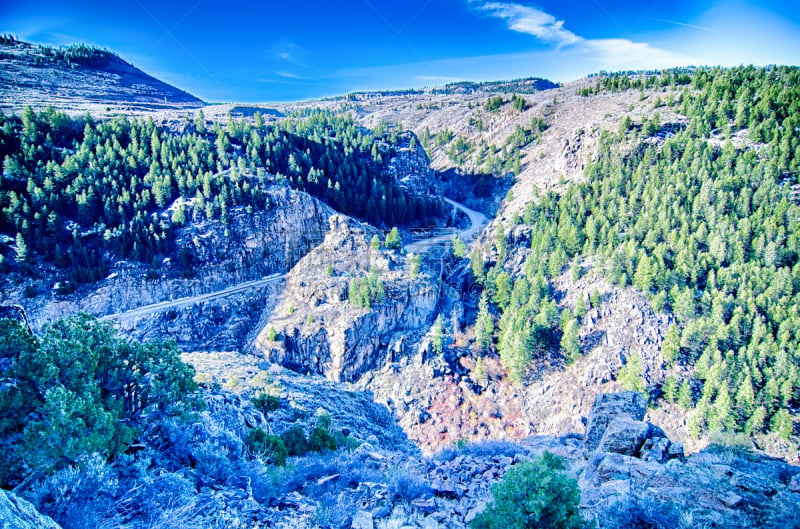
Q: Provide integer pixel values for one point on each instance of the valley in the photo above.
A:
(406, 294)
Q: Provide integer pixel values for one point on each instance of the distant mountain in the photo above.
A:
(80, 77)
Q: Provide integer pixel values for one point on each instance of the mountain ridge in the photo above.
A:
(80, 78)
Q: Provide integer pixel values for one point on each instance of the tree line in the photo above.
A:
(74, 190)
(709, 231)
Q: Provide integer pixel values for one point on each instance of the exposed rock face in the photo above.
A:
(411, 166)
(319, 331)
(461, 403)
(210, 257)
(606, 408)
(249, 375)
(222, 324)
(391, 487)
(16, 513)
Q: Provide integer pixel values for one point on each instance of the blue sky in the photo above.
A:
(291, 50)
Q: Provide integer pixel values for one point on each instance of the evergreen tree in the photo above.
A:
(630, 375)
(393, 240)
(569, 340)
(437, 335)
(484, 324)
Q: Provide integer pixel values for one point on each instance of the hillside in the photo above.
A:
(80, 78)
(308, 260)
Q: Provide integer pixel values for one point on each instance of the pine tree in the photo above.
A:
(630, 375)
(569, 340)
(414, 263)
(484, 324)
(459, 248)
(22, 248)
(393, 240)
(437, 335)
(685, 395)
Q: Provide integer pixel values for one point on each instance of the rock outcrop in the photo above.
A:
(384, 486)
(610, 406)
(16, 513)
(411, 167)
(316, 329)
(210, 257)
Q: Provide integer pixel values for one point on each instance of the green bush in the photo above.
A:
(533, 494)
(266, 446)
(79, 390)
(321, 438)
(295, 440)
(266, 402)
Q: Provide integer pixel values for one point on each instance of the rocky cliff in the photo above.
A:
(209, 257)
(629, 472)
(316, 327)
(411, 167)
(16, 513)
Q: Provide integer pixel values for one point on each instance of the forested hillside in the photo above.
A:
(703, 217)
(75, 189)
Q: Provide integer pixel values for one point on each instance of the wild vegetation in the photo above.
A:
(72, 56)
(79, 390)
(708, 230)
(74, 190)
(533, 494)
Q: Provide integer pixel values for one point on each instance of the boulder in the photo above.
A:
(16, 513)
(606, 407)
(362, 520)
(624, 436)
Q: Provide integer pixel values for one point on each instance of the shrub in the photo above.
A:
(266, 403)
(295, 440)
(266, 446)
(321, 438)
(533, 494)
(81, 389)
(407, 487)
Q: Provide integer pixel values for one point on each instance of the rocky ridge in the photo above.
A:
(629, 472)
(31, 77)
(315, 327)
(210, 256)
(16, 513)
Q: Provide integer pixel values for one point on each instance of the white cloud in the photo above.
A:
(288, 51)
(439, 78)
(290, 75)
(623, 54)
(605, 54)
(524, 19)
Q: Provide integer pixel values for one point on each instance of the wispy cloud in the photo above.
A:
(524, 19)
(439, 78)
(606, 53)
(288, 51)
(290, 75)
(683, 24)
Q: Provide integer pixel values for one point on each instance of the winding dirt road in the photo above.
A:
(477, 221)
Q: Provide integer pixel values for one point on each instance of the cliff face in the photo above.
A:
(209, 257)
(411, 167)
(317, 329)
